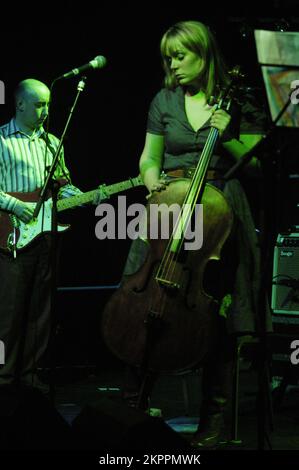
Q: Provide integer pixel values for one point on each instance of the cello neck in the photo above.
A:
(194, 193)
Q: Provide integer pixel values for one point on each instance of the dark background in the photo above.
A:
(106, 135)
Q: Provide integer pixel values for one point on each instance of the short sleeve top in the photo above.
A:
(183, 145)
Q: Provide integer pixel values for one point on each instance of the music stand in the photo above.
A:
(279, 61)
(277, 54)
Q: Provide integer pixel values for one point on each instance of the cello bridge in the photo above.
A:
(167, 284)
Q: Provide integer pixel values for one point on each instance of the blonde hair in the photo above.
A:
(196, 37)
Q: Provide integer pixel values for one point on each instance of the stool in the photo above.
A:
(183, 375)
(242, 341)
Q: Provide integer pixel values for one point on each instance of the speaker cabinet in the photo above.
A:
(108, 425)
(285, 289)
(30, 422)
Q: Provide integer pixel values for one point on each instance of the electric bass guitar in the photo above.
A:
(16, 235)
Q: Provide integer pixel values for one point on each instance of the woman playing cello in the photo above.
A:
(179, 120)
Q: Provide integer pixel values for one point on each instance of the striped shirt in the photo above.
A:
(23, 163)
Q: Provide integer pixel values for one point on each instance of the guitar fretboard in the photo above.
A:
(88, 197)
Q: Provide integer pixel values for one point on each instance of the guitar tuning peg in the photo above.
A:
(236, 73)
(212, 101)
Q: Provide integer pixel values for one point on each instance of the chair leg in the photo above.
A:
(235, 399)
(186, 395)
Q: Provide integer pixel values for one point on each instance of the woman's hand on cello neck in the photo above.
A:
(220, 119)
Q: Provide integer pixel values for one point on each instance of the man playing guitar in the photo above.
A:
(25, 266)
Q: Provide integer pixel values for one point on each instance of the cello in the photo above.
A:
(161, 319)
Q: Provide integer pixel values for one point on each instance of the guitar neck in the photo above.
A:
(88, 197)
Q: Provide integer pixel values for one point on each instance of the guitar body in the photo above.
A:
(15, 235)
(15, 232)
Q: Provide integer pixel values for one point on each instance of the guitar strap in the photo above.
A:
(52, 149)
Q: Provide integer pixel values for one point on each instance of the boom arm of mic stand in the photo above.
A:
(246, 157)
(257, 147)
(47, 184)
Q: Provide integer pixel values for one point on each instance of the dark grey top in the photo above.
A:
(183, 145)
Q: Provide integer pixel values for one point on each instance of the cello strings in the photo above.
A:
(202, 166)
(166, 267)
(200, 171)
(197, 174)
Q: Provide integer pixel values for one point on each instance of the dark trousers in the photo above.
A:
(25, 295)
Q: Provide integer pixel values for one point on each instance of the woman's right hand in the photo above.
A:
(157, 185)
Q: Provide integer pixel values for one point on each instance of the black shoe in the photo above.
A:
(133, 401)
(208, 435)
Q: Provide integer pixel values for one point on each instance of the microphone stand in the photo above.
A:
(264, 399)
(52, 186)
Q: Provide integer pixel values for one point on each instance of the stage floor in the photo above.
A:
(178, 398)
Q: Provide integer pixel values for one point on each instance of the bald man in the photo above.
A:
(25, 285)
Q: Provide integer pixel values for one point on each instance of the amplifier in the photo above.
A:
(285, 282)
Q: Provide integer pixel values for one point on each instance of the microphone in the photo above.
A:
(97, 63)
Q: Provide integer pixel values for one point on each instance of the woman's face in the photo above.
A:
(186, 66)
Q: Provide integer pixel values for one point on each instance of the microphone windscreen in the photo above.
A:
(101, 61)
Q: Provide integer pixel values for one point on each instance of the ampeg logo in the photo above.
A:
(286, 254)
(2, 92)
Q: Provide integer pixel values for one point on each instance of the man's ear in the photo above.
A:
(20, 105)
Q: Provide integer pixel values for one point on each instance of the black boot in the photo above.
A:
(209, 432)
(137, 388)
(133, 401)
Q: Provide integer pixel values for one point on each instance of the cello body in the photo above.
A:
(170, 327)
